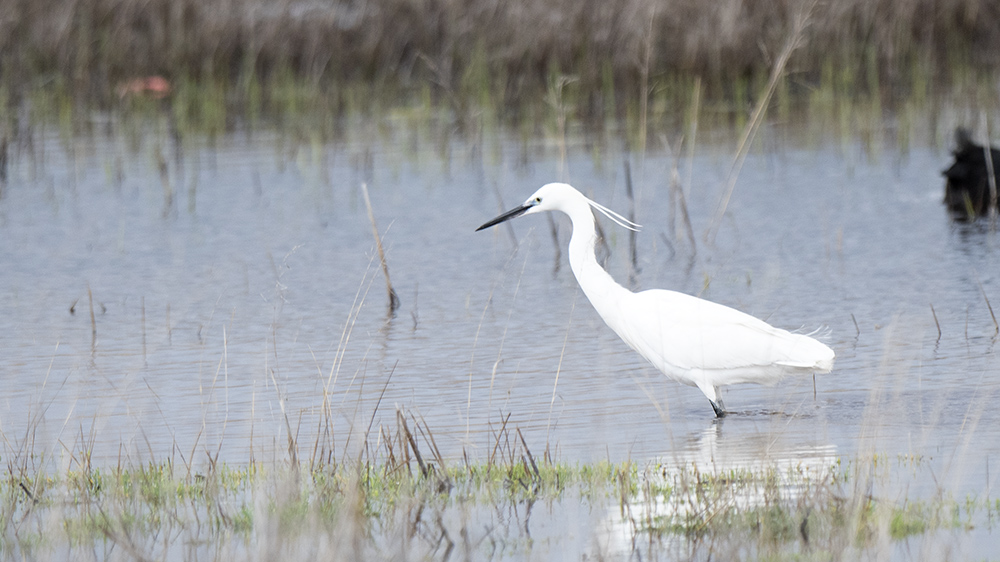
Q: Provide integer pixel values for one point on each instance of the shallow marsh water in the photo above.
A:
(251, 305)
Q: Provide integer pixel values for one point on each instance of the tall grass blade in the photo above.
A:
(750, 130)
(393, 298)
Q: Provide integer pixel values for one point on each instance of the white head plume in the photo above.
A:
(618, 219)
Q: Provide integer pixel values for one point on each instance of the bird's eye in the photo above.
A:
(538, 199)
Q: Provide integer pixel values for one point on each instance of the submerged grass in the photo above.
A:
(394, 508)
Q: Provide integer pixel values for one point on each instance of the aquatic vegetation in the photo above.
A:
(757, 509)
(483, 63)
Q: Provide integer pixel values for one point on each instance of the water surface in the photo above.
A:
(250, 305)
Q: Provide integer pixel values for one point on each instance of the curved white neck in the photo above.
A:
(600, 288)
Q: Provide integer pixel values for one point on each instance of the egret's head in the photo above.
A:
(545, 199)
(557, 197)
(553, 197)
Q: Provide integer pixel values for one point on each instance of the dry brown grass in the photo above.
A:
(507, 52)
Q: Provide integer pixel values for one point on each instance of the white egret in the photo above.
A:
(691, 340)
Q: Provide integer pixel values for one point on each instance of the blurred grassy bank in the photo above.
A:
(513, 61)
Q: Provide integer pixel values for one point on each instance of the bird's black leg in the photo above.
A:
(719, 407)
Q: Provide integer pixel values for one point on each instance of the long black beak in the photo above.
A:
(511, 214)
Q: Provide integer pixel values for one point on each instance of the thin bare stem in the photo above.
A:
(93, 322)
(633, 253)
(936, 323)
(379, 401)
(750, 131)
(143, 320)
(496, 444)
(692, 135)
(996, 326)
(393, 298)
(562, 354)
(401, 420)
(677, 191)
(990, 172)
(647, 56)
(501, 208)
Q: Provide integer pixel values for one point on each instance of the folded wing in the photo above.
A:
(679, 334)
